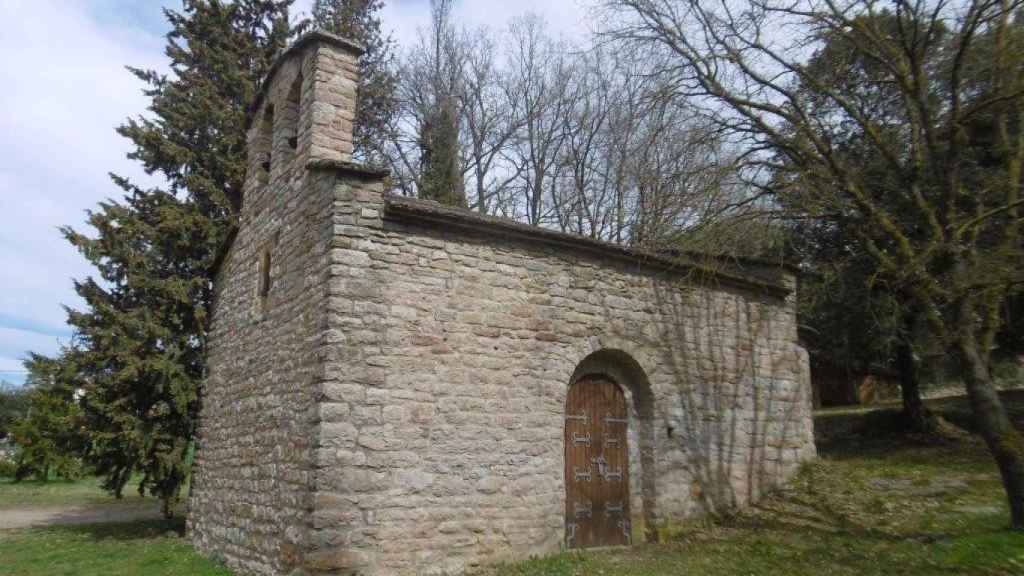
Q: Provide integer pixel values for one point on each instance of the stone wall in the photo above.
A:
(441, 436)
(251, 489)
(387, 378)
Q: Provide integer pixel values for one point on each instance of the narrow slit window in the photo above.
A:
(290, 114)
(266, 145)
(265, 278)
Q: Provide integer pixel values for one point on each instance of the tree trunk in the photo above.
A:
(1004, 442)
(121, 477)
(915, 413)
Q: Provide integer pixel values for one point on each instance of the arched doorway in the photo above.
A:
(597, 510)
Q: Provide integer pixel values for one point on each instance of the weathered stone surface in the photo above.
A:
(394, 404)
(259, 440)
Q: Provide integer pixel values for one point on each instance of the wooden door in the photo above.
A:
(596, 465)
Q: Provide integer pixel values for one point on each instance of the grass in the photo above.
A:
(154, 548)
(57, 492)
(878, 501)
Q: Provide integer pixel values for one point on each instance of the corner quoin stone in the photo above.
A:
(387, 396)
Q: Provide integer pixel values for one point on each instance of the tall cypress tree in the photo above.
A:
(440, 167)
(441, 178)
(140, 341)
(376, 105)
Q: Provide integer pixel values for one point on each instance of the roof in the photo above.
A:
(414, 210)
(417, 211)
(346, 168)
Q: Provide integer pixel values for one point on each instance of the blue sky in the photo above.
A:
(65, 90)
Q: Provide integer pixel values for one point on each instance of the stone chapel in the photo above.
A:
(398, 387)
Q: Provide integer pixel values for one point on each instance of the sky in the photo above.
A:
(62, 66)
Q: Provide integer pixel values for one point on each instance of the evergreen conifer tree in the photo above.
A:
(440, 167)
(441, 179)
(48, 436)
(139, 347)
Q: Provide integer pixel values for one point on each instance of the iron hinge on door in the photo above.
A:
(582, 510)
(609, 419)
(578, 438)
(584, 474)
(610, 476)
(616, 508)
(579, 418)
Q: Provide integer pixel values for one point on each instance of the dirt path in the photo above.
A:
(38, 516)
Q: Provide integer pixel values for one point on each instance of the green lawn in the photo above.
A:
(154, 548)
(877, 502)
(57, 492)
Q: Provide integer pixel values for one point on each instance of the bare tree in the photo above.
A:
(539, 70)
(638, 167)
(489, 124)
(954, 247)
(575, 137)
(424, 148)
(590, 99)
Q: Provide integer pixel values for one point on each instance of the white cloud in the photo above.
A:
(65, 90)
(13, 346)
(565, 17)
(402, 17)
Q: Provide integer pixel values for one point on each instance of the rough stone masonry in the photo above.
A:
(388, 377)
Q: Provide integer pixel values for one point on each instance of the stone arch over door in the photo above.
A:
(620, 368)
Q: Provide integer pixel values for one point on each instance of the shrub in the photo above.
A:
(7, 466)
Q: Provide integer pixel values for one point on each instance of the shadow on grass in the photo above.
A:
(871, 448)
(880, 501)
(34, 482)
(877, 433)
(886, 421)
(125, 531)
(958, 410)
(821, 519)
